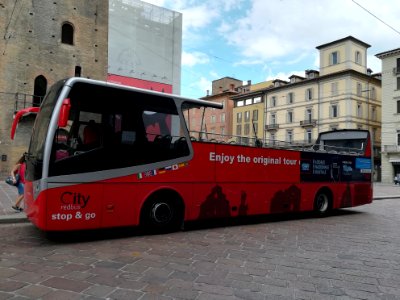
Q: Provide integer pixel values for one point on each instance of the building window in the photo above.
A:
(374, 134)
(398, 106)
(334, 111)
(246, 129)
(247, 116)
(212, 119)
(289, 136)
(238, 129)
(373, 112)
(222, 130)
(290, 117)
(334, 88)
(257, 100)
(240, 103)
(290, 98)
(255, 128)
(222, 117)
(272, 138)
(398, 83)
(273, 119)
(309, 114)
(273, 101)
(239, 117)
(398, 138)
(308, 136)
(397, 65)
(373, 93)
(255, 115)
(67, 34)
(359, 89)
(78, 71)
(359, 110)
(309, 94)
(334, 58)
(39, 90)
(248, 101)
(358, 57)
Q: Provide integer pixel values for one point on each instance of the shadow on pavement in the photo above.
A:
(82, 236)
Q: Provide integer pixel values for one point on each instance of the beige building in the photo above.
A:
(342, 95)
(390, 114)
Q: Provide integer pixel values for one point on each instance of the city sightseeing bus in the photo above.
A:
(104, 155)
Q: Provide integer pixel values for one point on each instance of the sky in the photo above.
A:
(260, 40)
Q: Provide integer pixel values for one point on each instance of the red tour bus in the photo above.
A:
(105, 155)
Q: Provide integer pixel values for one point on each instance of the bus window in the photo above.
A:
(128, 133)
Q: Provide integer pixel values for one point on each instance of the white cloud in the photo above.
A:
(198, 17)
(203, 85)
(283, 75)
(273, 29)
(194, 58)
(231, 4)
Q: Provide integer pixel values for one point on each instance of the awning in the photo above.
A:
(395, 161)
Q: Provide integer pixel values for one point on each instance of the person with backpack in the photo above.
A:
(18, 177)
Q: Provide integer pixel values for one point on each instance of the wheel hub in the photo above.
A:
(161, 213)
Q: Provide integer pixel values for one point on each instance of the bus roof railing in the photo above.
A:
(203, 136)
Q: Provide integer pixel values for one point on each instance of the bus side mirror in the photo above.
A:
(64, 113)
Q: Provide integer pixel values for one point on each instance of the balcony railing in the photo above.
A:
(396, 71)
(272, 127)
(308, 123)
(24, 100)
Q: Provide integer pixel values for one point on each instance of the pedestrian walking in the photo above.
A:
(18, 177)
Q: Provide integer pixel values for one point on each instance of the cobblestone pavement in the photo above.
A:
(353, 254)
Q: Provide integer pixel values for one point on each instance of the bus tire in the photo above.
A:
(323, 203)
(163, 211)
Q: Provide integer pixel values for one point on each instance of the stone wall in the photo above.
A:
(32, 47)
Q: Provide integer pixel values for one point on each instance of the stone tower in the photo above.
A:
(43, 42)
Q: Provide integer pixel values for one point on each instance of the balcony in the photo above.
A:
(271, 127)
(391, 149)
(396, 71)
(308, 123)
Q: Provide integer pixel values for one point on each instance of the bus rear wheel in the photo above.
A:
(322, 203)
(162, 212)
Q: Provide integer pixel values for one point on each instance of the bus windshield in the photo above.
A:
(36, 147)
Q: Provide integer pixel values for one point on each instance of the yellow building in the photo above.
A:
(342, 95)
(248, 117)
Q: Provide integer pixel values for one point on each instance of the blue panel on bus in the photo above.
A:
(363, 163)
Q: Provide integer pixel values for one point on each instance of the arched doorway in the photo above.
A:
(39, 90)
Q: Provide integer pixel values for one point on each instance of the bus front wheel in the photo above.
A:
(162, 212)
(322, 203)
